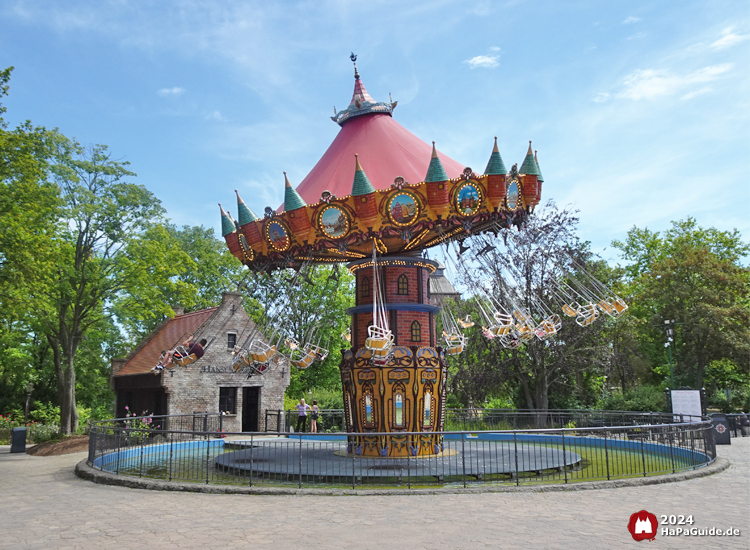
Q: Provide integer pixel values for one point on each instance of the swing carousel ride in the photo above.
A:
(377, 199)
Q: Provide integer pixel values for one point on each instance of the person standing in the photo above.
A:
(314, 417)
(302, 409)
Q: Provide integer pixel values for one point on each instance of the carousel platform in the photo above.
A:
(325, 459)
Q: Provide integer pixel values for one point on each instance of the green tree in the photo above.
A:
(695, 277)
(312, 305)
(101, 215)
(566, 369)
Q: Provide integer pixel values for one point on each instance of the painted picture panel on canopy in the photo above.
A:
(334, 222)
(512, 195)
(403, 209)
(277, 235)
(468, 199)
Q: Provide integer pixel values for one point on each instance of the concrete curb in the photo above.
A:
(84, 471)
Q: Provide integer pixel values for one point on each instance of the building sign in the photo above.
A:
(686, 403)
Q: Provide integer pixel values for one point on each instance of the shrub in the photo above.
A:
(643, 399)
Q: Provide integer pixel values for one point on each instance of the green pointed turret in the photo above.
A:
(361, 185)
(539, 177)
(292, 200)
(244, 213)
(435, 172)
(495, 166)
(529, 166)
(227, 226)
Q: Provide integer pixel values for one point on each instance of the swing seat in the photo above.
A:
(320, 353)
(305, 361)
(380, 341)
(260, 352)
(455, 343)
(569, 311)
(240, 360)
(487, 333)
(454, 350)
(585, 321)
(518, 315)
(185, 358)
(608, 308)
(291, 343)
(619, 305)
(465, 323)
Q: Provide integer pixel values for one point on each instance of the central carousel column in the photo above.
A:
(407, 394)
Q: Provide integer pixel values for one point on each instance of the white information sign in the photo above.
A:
(686, 403)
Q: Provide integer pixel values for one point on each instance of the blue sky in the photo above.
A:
(639, 109)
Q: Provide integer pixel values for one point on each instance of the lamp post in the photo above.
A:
(669, 328)
(29, 389)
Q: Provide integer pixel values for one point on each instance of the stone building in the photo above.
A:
(441, 288)
(209, 385)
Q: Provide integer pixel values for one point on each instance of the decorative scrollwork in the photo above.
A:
(468, 173)
(327, 197)
(399, 183)
(269, 212)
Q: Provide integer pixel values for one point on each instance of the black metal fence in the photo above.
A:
(575, 446)
(332, 420)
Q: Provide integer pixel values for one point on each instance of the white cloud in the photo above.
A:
(728, 39)
(696, 93)
(636, 36)
(215, 115)
(630, 20)
(601, 97)
(176, 91)
(650, 83)
(483, 61)
(494, 49)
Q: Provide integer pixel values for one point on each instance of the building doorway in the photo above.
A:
(250, 403)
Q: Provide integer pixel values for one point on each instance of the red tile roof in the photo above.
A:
(171, 333)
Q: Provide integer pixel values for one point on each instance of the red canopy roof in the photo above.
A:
(386, 150)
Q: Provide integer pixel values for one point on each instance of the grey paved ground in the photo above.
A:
(44, 505)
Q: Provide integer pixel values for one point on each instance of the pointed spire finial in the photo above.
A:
(244, 214)
(529, 166)
(495, 166)
(435, 171)
(361, 185)
(354, 60)
(227, 225)
(292, 199)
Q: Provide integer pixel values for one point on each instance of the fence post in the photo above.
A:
(606, 453)
(205, 422)
(251, 460)
(300, 461)
(463, 457)
(208, 451)
(515, 446)
(119, 432)
(171, 454)
(565, 458)
(671, 447)
(140, 466)
(643, 456)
